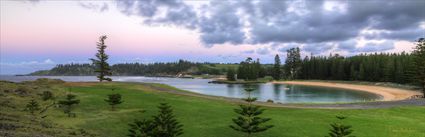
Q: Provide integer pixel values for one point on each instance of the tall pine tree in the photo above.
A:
(277, 72)
(249, 120)
(166, 123)
(102, 66)
(388, 70)
(293, 63)
(163, 125)
(419, 55)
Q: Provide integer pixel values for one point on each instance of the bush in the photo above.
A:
(46, 95)
(32, 106)
(67, 104)
(113, 100)
(22, 90)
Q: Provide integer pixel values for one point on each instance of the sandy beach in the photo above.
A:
(388, 94)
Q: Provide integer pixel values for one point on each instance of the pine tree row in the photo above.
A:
(383, 67)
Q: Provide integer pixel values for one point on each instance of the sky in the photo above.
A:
(38, 34)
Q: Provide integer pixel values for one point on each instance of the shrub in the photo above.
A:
(46, 95)
(114, 99)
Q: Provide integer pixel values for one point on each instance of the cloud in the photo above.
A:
(283, 22)
(227, 57)
(409, 34)
(263, 50)
(172, 12)
(349, 45)
(284, 47)
(311, 23)
(25, 67)
(222, 25)
(93, 6)
(377, 47)
(48, 61)
(317, 48)
(303, 22)
(33, 1)
(45, 62)
(248, 52)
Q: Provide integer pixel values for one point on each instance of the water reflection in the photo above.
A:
(231, 90)
(277, 90)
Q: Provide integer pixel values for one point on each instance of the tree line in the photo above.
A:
(383, 67)
(134, 69)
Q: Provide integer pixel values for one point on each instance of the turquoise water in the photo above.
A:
(277, 92)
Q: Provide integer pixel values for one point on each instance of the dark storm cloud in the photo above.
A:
(303, 22)
(161, 11)
(223, 25)
(309, 26)
(389, 14)
(319, 25)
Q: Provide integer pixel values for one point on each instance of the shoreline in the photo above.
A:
(353, 105)
(387, 93)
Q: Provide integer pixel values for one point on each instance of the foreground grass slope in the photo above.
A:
(211, 118)
(16, 122)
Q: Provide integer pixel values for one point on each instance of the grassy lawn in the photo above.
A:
(202, 117)
(211, 118)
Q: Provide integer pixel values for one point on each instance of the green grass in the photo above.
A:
(211, 118)
(202, 117)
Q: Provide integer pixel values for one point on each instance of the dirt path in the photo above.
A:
(365, 105)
